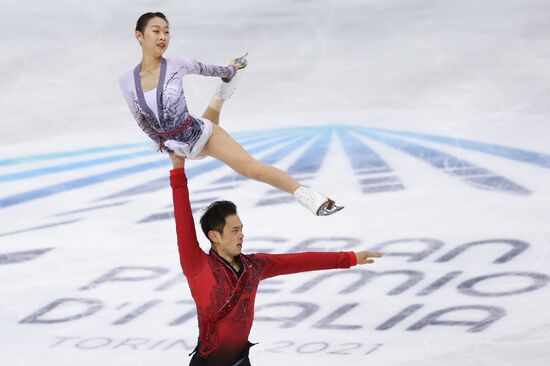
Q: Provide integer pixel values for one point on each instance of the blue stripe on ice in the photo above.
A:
(291, 144)
(102, 149)
(87, 163)
(79, 183)
(41, 227)
(161, 183)
(511, 153)
(308, 163)
(474, 175)
(362, 157)
(311, 160)
(366, 162)
(74, 165)
(70, 154)
(98, 178)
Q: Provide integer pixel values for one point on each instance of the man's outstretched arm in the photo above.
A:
(192, 258)
(281, 264)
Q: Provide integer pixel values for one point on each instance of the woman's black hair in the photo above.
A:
(145, 18)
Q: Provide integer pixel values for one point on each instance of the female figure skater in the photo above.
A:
(154, 93)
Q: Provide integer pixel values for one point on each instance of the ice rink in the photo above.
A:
(428, 120)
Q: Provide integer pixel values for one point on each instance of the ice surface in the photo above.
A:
(428, 120)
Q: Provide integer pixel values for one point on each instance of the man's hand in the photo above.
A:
(366, 257)
(177, 161)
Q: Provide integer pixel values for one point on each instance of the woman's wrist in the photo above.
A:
(177, 162)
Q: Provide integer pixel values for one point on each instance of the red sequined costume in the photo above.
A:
(225, 301)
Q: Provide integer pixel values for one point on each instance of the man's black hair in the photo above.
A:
(214, 216)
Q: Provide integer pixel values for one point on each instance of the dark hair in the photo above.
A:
(145, 18)
(214, 216)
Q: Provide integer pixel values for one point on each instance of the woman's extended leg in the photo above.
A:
(221, 146)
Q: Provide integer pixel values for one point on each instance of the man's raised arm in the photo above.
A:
(192, 258)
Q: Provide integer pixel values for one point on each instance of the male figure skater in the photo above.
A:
(223, 282)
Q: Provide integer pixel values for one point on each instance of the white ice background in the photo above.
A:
(475, 72)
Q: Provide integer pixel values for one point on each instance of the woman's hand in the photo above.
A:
(365, 257)
(177, 161)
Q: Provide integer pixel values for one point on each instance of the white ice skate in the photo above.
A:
(314, 201)
(226, 90)
(241, 62)
(227, 87)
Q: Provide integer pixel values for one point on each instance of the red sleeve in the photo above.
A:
(281, 264)
(192, 258)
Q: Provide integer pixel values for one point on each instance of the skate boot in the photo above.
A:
(239, 63)
(314, 201)
(226, 89)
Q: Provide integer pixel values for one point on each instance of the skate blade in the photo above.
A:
(328, 208)
(242, 61)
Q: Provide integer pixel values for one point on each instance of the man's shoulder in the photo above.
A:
(255, 259)
(249, 256)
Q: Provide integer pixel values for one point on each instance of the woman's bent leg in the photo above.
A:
(213, 110)
(223, 93)
(223, 147)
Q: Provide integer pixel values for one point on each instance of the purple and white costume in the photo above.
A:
(162, 113)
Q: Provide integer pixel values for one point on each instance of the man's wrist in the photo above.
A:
(352, 258)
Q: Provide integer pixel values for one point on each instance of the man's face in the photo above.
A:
(231, 241)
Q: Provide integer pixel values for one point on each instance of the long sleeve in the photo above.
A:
(192, 258)
(282, 264)
(144, 125)
(132, 101)
(197, 67)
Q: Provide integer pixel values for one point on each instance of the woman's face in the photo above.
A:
(155, 38)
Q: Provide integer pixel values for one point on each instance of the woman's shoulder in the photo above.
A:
(126, 77)
(179, 61)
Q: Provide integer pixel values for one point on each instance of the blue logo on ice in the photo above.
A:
(361, 145)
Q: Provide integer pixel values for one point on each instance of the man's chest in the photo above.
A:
(227, 286)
